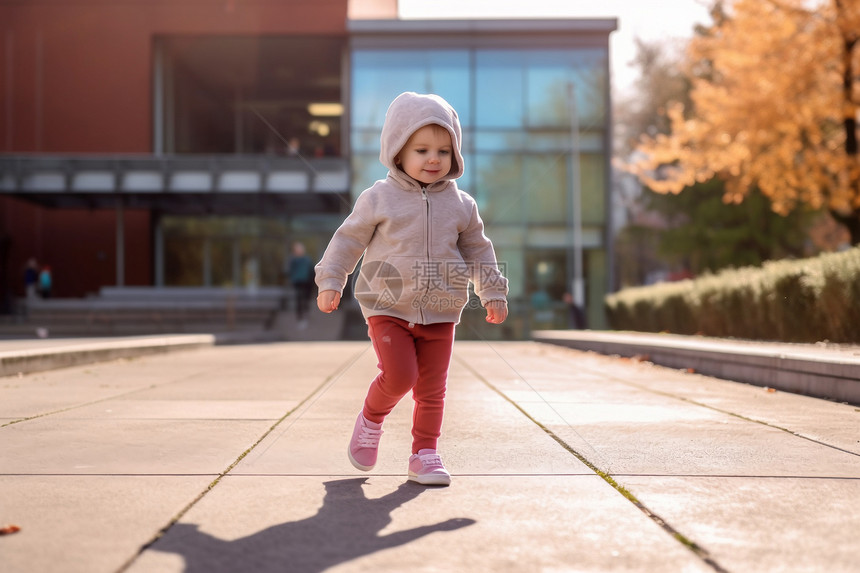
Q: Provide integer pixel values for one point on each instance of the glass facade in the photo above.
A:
(230, 251)
(515, 107)
(249, 94)
(261, 100)
(515, 94)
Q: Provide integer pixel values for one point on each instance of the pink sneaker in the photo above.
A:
(364, 443)
(426, 468)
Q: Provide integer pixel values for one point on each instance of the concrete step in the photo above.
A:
(822, 370)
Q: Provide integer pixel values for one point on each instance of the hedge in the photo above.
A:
(807, 300)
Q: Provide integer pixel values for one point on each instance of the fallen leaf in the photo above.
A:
(8, 529)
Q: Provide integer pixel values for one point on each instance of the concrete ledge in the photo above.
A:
(820, 370)
(72, 353)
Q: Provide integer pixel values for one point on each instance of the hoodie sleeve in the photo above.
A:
(346, 246)
(477, 251)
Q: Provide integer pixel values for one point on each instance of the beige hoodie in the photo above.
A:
(421, 245)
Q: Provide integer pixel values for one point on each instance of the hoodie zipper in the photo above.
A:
(426, 201)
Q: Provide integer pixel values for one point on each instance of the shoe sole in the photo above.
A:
(355, 464)
(433, 479)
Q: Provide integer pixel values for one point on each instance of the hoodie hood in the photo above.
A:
(408, 113)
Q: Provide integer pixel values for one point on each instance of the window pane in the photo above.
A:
(365, 140)
(366, 169)
(511, 260)
(380, 76)
(546, 284)
(239, 94)
(590, 83)
(449, 77)
(221, 251)
(593, 188)
(499, 81)
(499, 140)
(546, 189)
(499, 188)
(550, 73)
(546, 274)
(552, 142)
(183, 261)
(548, 77)
(377, 78)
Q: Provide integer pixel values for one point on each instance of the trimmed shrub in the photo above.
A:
(804, 300)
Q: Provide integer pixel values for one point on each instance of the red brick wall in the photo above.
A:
(78, 244)
(76, 75)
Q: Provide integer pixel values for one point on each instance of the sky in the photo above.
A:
(666, 19)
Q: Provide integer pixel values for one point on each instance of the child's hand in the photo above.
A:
(497, 311)
(328, 301)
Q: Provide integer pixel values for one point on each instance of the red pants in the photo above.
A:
(411, 357)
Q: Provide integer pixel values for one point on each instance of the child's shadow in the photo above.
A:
(347, 526)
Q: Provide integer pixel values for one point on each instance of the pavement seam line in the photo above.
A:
(699, 551)
(107, 398)
(182, 512)
(726, 412)
(93, 402)
(319, 394)
(538, 394)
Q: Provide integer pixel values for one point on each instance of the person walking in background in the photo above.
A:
(423, 241)
(301, 275)
(45, 282)
(31, 278)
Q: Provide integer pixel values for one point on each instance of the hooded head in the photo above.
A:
(408, 113)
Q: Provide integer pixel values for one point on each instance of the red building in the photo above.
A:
(129, 79)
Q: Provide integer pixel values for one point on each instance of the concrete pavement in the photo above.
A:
(232, 458)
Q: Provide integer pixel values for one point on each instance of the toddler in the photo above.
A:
(422, 241)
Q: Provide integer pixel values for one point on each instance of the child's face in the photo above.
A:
(426, 157)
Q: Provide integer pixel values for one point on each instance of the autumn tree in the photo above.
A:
(692, 231)
(774, 108)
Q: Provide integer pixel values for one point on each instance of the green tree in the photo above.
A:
(705, 234)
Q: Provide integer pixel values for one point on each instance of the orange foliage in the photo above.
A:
(768, 108)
